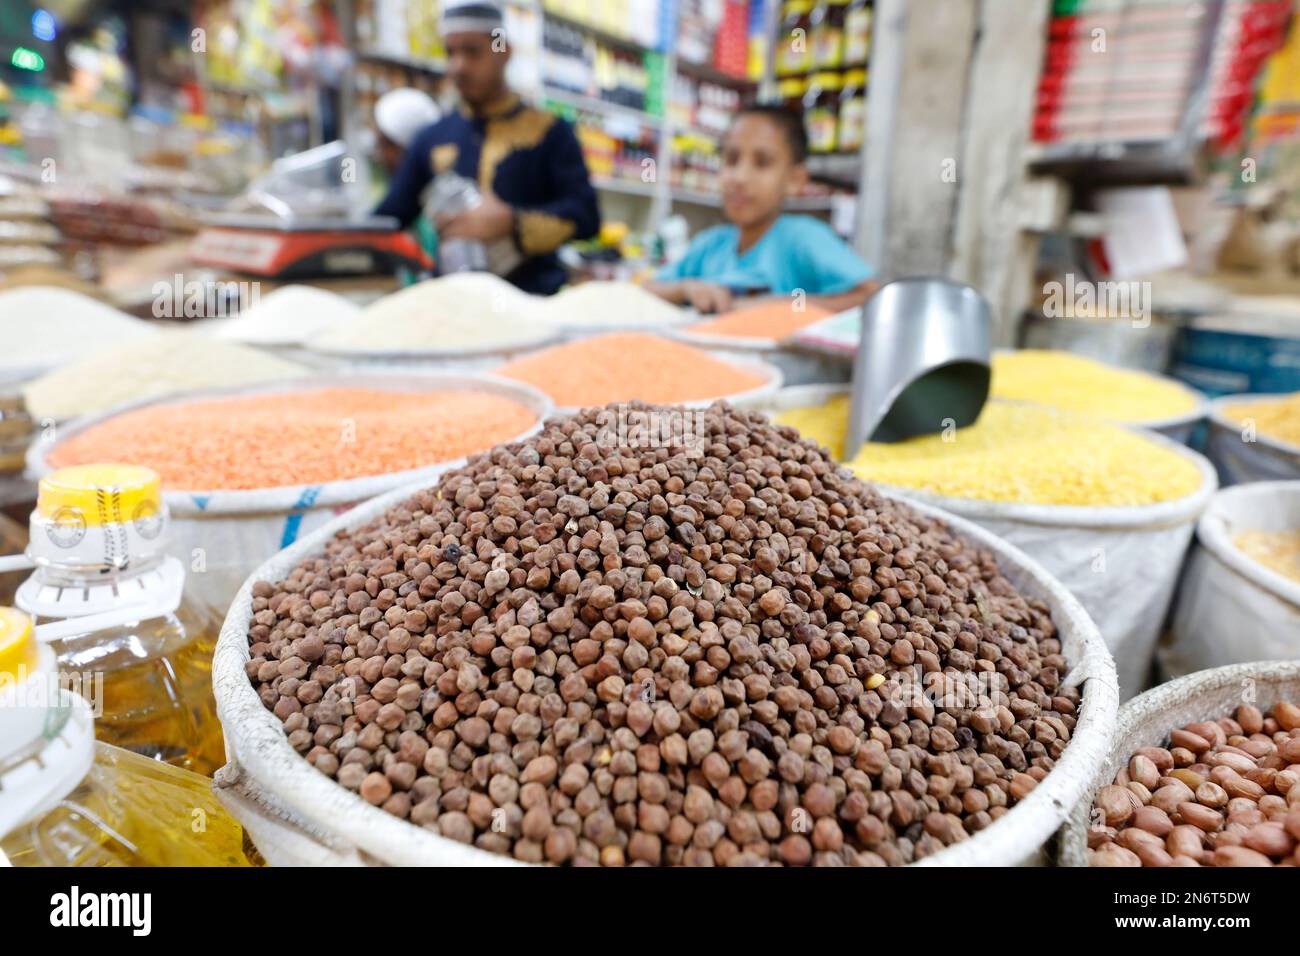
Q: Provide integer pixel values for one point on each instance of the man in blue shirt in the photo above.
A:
(761, 251)
(527, 162)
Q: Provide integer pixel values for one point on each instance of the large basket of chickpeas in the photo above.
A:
(602, 646)
(1205, 772)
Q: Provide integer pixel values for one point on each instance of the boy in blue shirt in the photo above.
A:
(762, 251)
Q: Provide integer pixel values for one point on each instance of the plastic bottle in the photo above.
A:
(794, 41)
(66, 800)
(828, 35)
(822, 114)
(853, 111)
(107, 601)
(857, 33)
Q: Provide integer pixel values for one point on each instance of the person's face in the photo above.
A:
(758, 170)
(389, 153)
(476, 63)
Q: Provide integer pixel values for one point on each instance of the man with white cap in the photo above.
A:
(399, 115)
(527, 162)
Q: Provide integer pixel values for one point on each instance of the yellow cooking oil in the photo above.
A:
(150, 685)
(69, 800)
(109, 601)
(131, 811)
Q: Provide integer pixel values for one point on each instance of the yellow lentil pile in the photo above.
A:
(1017, 453)
(1077, 384)
(1277, 418)
(1277, 550)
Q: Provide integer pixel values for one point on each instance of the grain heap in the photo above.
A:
(1277, 550)
(767, 320)
(1277, 417)
(159, 365)
(293, 315)
(466, 311)
(1075, 383)
(1016, 453)
(45, 326)
(312, 436)
(579, 651)
(613, 304)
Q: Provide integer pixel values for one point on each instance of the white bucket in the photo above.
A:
(220, 536)
(1122, 563)
(1147, 720)
(298, 816)
(1231, 608)
(1239, 461)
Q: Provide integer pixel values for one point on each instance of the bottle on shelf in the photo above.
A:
(67, 800)
(857, 33)
(853, 111)
(108, 603)
(821, 112)
(828, 34)
(794, 39)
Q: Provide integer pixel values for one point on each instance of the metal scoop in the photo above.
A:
(922, 363)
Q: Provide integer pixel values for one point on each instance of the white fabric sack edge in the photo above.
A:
(304, 817)
(1264, 459)
(1229, 606)
(1146, 721)
(289, 497)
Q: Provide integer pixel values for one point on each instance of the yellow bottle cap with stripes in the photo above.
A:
(100, 494)
(19, 652)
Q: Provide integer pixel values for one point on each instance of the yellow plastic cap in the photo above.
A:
(100, 494)
(19, 653)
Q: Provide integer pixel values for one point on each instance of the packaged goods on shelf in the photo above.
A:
(159, 365)
(634, 366)
(45, 327)
(68, 800)
(1217, 798)
(355, 813)
(293, 315)
(466, 311)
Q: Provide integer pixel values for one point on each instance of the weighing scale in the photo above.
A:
(292, 248)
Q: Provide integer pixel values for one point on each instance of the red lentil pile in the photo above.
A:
(293, 438)
(579, 652)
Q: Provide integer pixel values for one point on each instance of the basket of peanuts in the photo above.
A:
(1205, 772)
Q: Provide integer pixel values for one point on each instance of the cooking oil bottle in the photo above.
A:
(107, 600)
(68, 800)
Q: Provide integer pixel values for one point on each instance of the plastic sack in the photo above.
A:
(220, 536)
(1230, 608)
(298, 816)
(1122, 563)
(1239, 461)
(1147, 720)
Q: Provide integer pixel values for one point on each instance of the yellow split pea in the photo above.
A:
(1015, 453)
(1074, 383)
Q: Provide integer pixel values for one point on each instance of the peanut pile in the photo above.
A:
(589, 648)
(1223, 793)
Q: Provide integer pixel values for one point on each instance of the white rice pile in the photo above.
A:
(466, 312)
(292, 315)
(612, 305)
(165, 363)
(44, 326)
